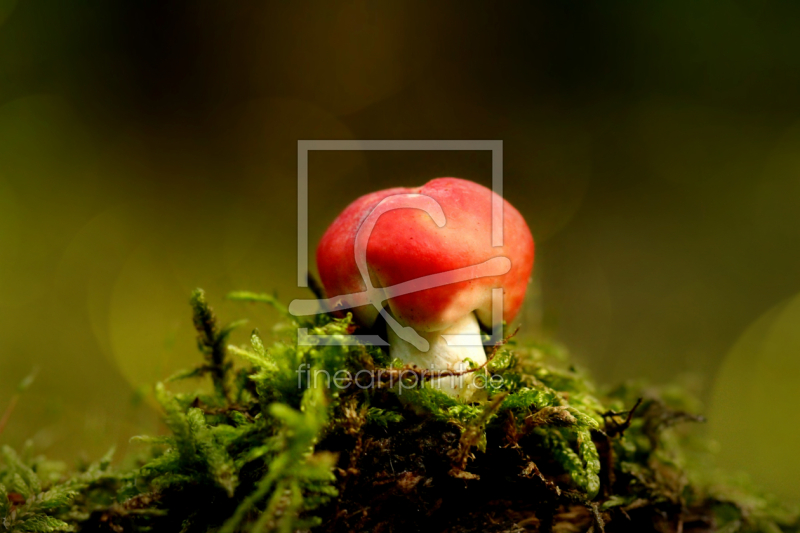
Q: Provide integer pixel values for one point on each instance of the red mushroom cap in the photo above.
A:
(406, 244)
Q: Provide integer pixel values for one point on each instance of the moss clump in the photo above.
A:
(340, 438)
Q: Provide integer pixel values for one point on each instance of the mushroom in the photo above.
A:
(423, 259)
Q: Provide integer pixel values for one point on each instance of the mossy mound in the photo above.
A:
(340, 438)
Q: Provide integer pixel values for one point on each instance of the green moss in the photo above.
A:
(341, 438)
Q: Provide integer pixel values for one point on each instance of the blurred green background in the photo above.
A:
(147, 148)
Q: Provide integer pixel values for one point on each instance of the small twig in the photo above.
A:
(660, 417)
(198, 403)
(424, 374)
(137, 505)
(618, 428)
(315, 287)
(394, 375)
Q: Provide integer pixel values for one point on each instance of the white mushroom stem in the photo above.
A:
(446, 356)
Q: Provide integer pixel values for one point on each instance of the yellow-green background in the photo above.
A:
(149, 147)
